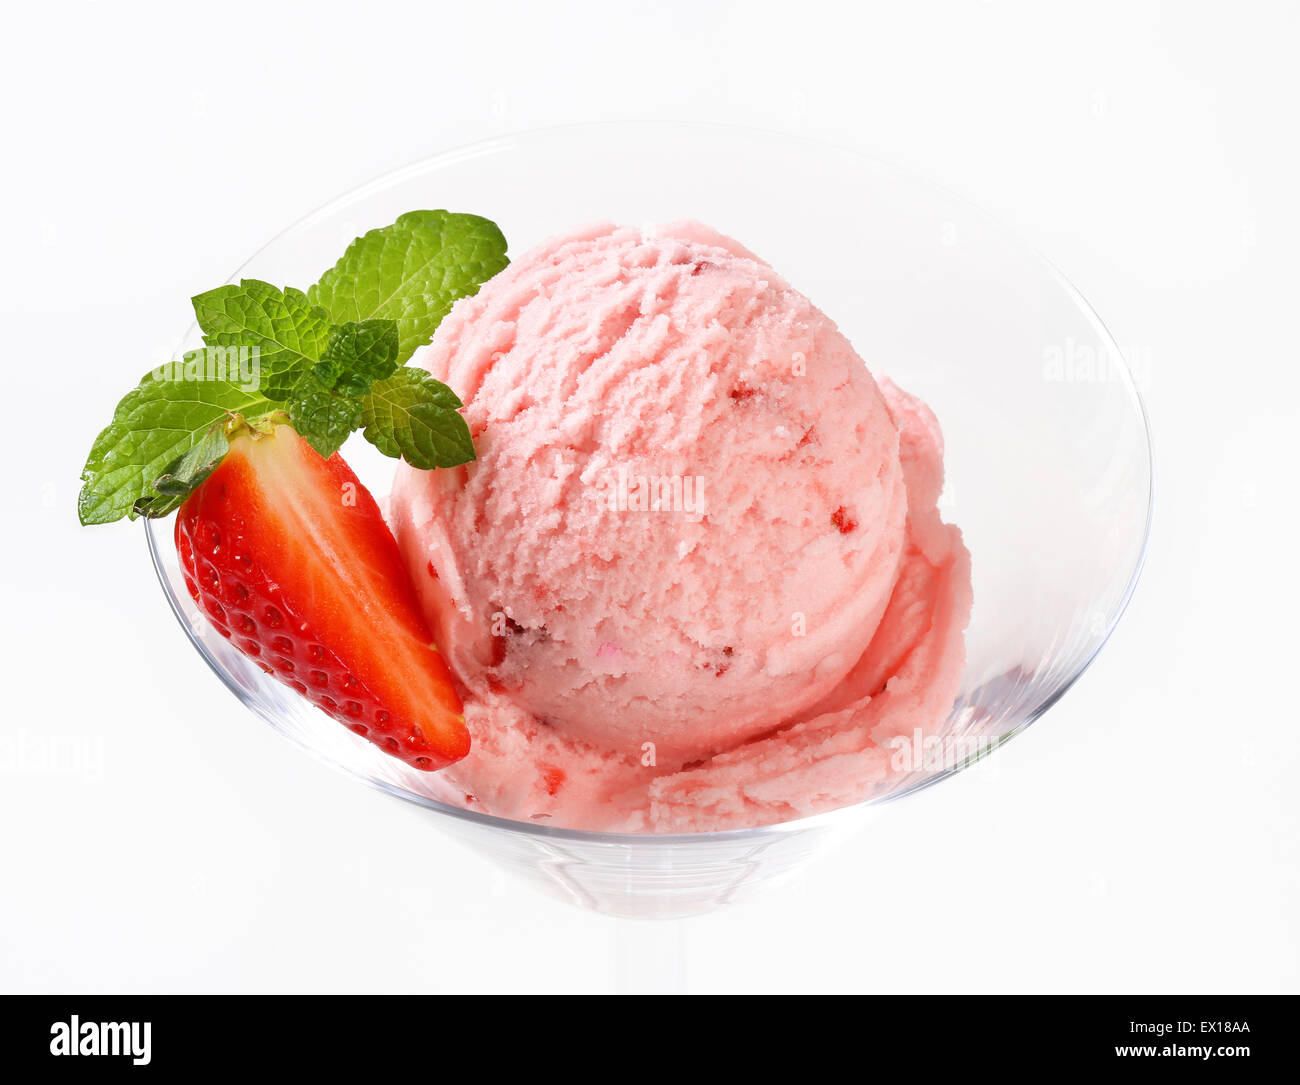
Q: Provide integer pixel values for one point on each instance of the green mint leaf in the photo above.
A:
(359, 353)
(412, 272)
(289, 332)
(325, 407)
(324, 416)
(329, 356)
(413, 416)
(156, 424)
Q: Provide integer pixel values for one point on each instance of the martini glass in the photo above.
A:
(1047, 448)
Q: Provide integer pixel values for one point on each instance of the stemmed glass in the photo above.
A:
(1048, 453)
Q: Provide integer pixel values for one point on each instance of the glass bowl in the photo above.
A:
(1048, 454)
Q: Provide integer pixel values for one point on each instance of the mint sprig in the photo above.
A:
(330, 358)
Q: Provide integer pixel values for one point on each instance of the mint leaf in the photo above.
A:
(413, 416)
(359, 353)
(289, 332)
(330, 356)
(325, 407)
(412, 272)
(154, 426)
(323, 416)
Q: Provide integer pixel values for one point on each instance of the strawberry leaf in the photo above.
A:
(197, 464)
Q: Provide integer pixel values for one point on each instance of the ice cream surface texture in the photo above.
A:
(696, 578)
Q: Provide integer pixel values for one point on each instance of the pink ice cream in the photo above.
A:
(696, 578)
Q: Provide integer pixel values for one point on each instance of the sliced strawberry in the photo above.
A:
(288, 555)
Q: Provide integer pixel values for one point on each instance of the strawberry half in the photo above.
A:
(289, 557)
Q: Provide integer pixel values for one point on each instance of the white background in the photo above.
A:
(1141, 837)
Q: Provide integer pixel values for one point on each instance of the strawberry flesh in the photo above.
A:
(289, 557)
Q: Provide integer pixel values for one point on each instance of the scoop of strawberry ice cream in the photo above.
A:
(688, 528)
